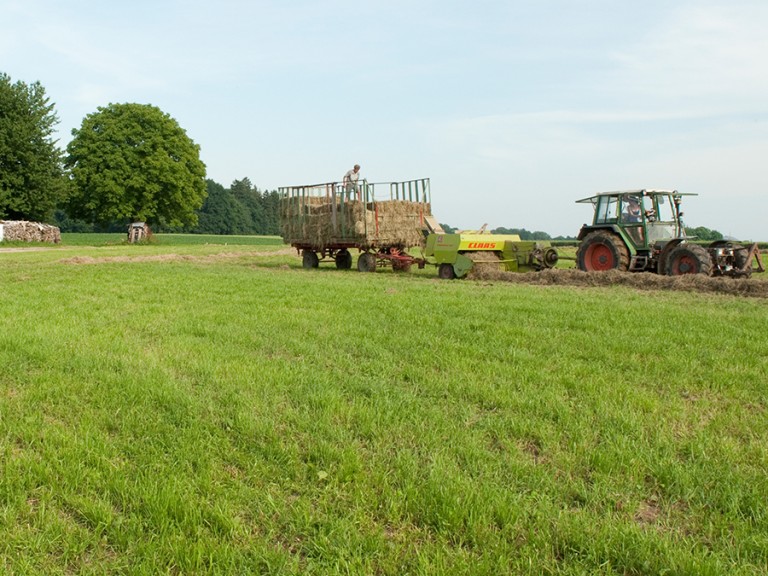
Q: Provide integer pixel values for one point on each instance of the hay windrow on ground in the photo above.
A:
(754, 287)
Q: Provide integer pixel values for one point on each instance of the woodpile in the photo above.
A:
(23, 231)
(324, 221)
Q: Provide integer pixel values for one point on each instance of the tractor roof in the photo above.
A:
(642, 191)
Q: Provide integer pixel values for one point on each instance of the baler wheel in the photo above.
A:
(445, 271)
(366, 262)
(343, 259)
(309, 259)
(689, 259)
(601, 251)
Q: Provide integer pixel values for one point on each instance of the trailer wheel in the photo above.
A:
(343, 259)
(445, 271)
(601, 251)
(309, 259)
(366, 262)
(689, 259)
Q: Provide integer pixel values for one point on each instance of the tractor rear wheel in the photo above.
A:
(343, 259)
(445, 271)
(689, 259)
(601, 251)
(366, 262)
(309, 259)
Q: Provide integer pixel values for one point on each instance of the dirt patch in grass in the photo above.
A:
(754, 287)
(648, 512)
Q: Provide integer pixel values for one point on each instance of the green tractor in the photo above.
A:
(457, 254)
(642, 231)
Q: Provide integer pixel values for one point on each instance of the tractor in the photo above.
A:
(642, 231)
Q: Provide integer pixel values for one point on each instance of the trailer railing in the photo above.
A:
(339, 196)
(411, 190)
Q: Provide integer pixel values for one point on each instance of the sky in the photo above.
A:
(514, 109)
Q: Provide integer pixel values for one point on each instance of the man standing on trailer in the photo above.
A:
(350, 181)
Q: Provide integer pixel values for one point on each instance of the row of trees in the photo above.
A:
(239, 209)
(128, 163)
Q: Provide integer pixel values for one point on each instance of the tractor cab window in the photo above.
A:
(631, 211)
(665, 209)
(607, 210)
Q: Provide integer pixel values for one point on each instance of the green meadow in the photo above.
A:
(203, 405)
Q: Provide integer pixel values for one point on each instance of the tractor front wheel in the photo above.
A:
(446, 272)
(689, 259)
(601, 251)
(309, 259)
(366, 262)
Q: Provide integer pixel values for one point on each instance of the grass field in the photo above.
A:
(182, 408)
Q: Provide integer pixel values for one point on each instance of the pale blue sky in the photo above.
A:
(514, 109)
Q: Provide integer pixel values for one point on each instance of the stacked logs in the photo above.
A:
(23, 231)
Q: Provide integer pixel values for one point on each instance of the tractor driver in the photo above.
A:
(633, 216)
(632, 210)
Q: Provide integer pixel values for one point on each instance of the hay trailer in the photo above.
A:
(382, 221)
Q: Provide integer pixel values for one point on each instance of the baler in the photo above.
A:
(456, 254)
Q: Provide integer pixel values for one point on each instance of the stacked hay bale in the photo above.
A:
(320, 222)
(23, 231)
(400, 223)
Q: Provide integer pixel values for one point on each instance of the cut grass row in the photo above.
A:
(242, 415)
(96, 239)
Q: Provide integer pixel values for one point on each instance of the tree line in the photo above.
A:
(130, 163)
(240, 209)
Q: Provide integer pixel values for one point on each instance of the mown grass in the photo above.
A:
(111, 239)
(236, 414)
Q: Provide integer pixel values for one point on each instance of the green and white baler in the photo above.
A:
(456, 254)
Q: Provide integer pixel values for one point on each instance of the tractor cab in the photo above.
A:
(641, 217)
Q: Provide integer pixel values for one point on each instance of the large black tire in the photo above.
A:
(343, 259)
(366, 262)
(602, 251)
(689, 259)
(446, 272)
(309, 259)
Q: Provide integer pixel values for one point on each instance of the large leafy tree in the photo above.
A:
(133, 162)
(31, 175)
